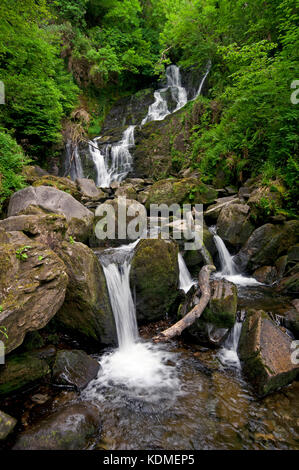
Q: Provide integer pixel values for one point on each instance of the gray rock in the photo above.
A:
(7, 424)
(233, 224)
(88, 189)
(74, 368)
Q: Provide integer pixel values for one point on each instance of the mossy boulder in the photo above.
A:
(49, 199)
(20, 371)
(86, 309)
(74, 368)
(266, 274)
(266, 244)
(32, 173)
(233, 224)
(58, 182)
(67, 429)
(213, 211)
(154, 278)
(7, 425)
(266, 353)
(33, 283)
(195, 259)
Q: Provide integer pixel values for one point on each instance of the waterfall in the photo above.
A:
(159, 109)
(100, 162)
(73, 165)
(186, 281)
(137, 368)
(203, 79)
(229, 269)
(228, 353)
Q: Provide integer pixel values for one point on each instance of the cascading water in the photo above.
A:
(228, 355)
(186, 281)
(139, 368)
(159, 109)
(229, 270)
(73, 164)
(103, 177)
(203, 79)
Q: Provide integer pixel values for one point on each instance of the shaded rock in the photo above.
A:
(266, 244)
(86, 309)
(7, 424)
(74, 368)
(20, 371)
(280, 265)
(244, 192)
(50, 199)
(222, 308)
(126, 190)
(33, 172)
(154, 278)
(88, 189)
(290, 283)
(68, 429)
(266, 274)
(212, 212)
(233, 224)
(266, 353)
(33, 284)
(194, 259)
(264, 200)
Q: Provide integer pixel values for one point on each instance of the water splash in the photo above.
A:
(73, 164)
(228, 354)
(208, 68)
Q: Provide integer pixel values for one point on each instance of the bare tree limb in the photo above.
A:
(195, 313)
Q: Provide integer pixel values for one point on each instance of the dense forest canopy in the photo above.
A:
(57, 55)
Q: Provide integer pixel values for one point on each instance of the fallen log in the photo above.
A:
(195, 313)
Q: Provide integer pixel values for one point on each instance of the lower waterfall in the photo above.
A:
(140, 369)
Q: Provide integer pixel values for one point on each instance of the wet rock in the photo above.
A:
(21, 370)
(50, 199)
(222, 308)
(86, 309)
(266, 353)
(212, 212)
(74, 368)
(7, 424)
(154, 278)
(194, 259)
(40, 398)
(88, 189)
(244, 192)
(33, 283)
(266, 274)
(67, 429)
(233, 224)
(266, 244)
(290, 283)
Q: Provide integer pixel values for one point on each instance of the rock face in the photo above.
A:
(266, 274)
(7, 424)
(178, 191)
(86, 309)
(60, 183)
(266, 352)
(88, 189)
(67, 429)
(74, 368)
(33, 283)
(20, 371)
(233, 224)
(223, 304)
(154, 278)
(53, 200)
(213, 211)
(266, 244)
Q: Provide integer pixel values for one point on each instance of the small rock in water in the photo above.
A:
(40, 398)
(74, 368)
(7, 424)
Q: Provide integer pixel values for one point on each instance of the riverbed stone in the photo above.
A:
(21, 370)
(266, 274)
(266, 244)
(154, 278)
(49, 199)
(233, 224)
(7, 425)
(266, 353)
(222, 308)
(74, 368)
(67, 429)
(33, 283)
(86, 309)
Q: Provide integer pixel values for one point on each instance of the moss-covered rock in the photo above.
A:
(266, 353)
(154, 278)
(67, 429)
(20, 371)
(86, 309)
(7, 424)
(223, 304)
(33, 284)
(58, 182)
(74, 368)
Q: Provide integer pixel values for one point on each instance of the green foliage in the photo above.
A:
(21, 253)
(71, 240)
(3, 331)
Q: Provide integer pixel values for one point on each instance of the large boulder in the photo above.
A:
(33, 283)
(67, 429)
(86, 309)
(213, 211)
(79, 219)
(154, 278)
(88, 189)
(58, 182)
(20, 371)
(266, 244)
(266, 353)
(74, 368)
(179, 191)
(266, 274)
(7, 424)
(233, 224)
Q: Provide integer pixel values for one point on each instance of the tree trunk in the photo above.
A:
(194, 314)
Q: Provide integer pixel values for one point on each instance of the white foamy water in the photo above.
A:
(99, 159)
(209, 64)
(73, 161)
(186, 281)
(228, 354)
(141, 369)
